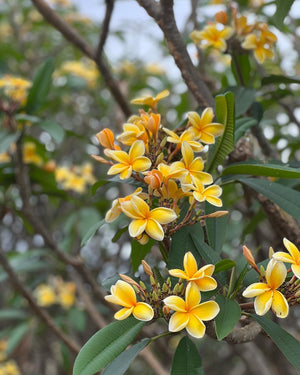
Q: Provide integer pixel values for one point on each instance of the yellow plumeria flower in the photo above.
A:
(133, 161)
(204, 129)
(186, 136)
(30, 156)
(15, 88)
(262, 50)
(201, 278)
(45, 295)
(267, 295)
(67, 295)
(189, 313)
(211, 36)
(191, 167)
(146, 220)
(133, 132)
(123, 294)
(293, 258)
(149, 100)
(210, 194)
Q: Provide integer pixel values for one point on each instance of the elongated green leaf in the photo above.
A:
(243, 98)
(282, 9)
(90, 233)
(106, 345)
(243, 63)
(286, 343)
(97, 185)
(88, 217)
(12, 314)
(186, 359)
(216, 228)
(54, 129)
(6, 139)
(224, 265)
(41, 85)
(120, 365)
(258, 169)
(285, 197)
(276, 79)
(16, 335)
(224, 144)
(229, 315)
(138, 253)
(242, 125)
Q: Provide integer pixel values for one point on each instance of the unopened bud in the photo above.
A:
(154, 296)
(218, 214)
(166, 310)
(50, 166)
(147, 268)
(128, 280)
(176, 289)
(160, 158)
(100, 159)
(221, 17)
(249, 257)
(143, 286)
(271, 252)
(262, 271)
(142, 239)
(165, 288)
(163, 142)
(152, 281)
(297, 294)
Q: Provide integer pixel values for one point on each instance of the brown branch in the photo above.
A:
(164, 16)
(71, 34)
(42, 314)
(105, 28)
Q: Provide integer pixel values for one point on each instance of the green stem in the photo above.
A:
(161, 335)
(163, 251)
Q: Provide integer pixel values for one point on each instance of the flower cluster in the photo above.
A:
(163, 162)
(7, 366)
(56, 291)
(274, 291)
(15, 88)
(75, 178)
(180, 305)
(85, 69)
(256, 37)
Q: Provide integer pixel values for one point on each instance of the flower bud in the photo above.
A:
(147, 268)
(106, 138)
(221, 17)
(271, 252)
(154, 178)
(249, 257)
(128, 280)
(166, 310)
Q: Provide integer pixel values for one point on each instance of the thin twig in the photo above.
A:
(42, 314)
(105, 28)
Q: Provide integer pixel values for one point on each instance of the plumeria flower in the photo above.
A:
(189, 313)
(204, 129)
(267, 295)
(133, 132)
(149, 100)
(123, 294)
(133, 161)
(191, 167)
(146, 220)
(211, 36)
(293, 257)
(259, 44)
(151, 122)
(201, 278)
(186, 136)
(106, 139)
(210, 194)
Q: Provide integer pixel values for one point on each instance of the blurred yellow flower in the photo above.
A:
(204, 129)
(149, 100)
(292, 258)
(9, 368)
(189, 313)
(211, 36)
(30, 155)
(15, 88)
(201, 278)
(155, 69)
(85, 69)
(259, 44)
(45, 295)
(267, 295)
(146, 220)
(66, 294)
(123, 294)
(76, 178)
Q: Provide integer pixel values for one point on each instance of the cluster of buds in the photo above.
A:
(277, 289)
(179, 305)
(162, 161)
(256, 37)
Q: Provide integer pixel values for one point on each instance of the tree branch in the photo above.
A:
(105, 28)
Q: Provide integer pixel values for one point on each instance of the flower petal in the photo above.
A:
(137, 227)
(255, 289)
(206, 283)
(190, 264)
(154, 230)
(192, 296)
(283, 257)
(178, 273)
(137, 149)
(141, 164)
(206, 310)
(187, 153)
(120, 156)
(117, 168)
(175, 303)
(125, 293)
(163, 215)
(178, 321)
(275, 273)
(123, 313)
(263, 302)
(195, 327)
(143, 311)
(296, 270)
(280, 305)
(292, 249)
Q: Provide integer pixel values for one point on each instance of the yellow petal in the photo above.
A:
(206, 283)
(292, 249)
(137, 227)
(280, 305)
(123, 313)
(263, 303)
(190, 264)
(143, 311)
(162, 215)
(125, 293)
(136, 150)
(141, 206)
(117, 168)
(162, 95)
(130, 210)
(195, 327)
(259, 54)
(214, 129)
(178, 273)
(187, 153)
(194, 117)
(154, 230)
(126, 173)
(206, 310)
(283, 257)
(296, 270)
(175, 303)
(255, 289)
(120, 156)
(207, 138)
(192, 296)
(275, 273)
(214, 201)
(141, 164)
(178, 321)
(202, 177)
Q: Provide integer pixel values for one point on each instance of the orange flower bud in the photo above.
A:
(166, 310)
(129, 280)
(50, 166)
(100, 159)
(249, 257)
(147, 268)
(154, 178)
(221, 17)
(106, 138)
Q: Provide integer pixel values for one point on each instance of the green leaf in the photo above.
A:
(258, 169)
(277, 79)
(242, 125)
(243, 98)
(224, 265)
(216, 228)
(12, 314)
(242, 60)
(119, 233)
(97, 185)
(282, 9)
(41, 85)
(90, 233)
(106, 345)
(16, 335)
(225, 143)
(54, 129)
(138, 253)
(229, 315)
(186, 360)
(88, 218)
(285, 197)
(120, 365)
(22, 117)
(77, 318)
(285, 342)
(6, 139)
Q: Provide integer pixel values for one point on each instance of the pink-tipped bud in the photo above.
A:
(249, 257)
(147, 268)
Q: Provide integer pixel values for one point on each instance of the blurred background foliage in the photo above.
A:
(69, 190)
